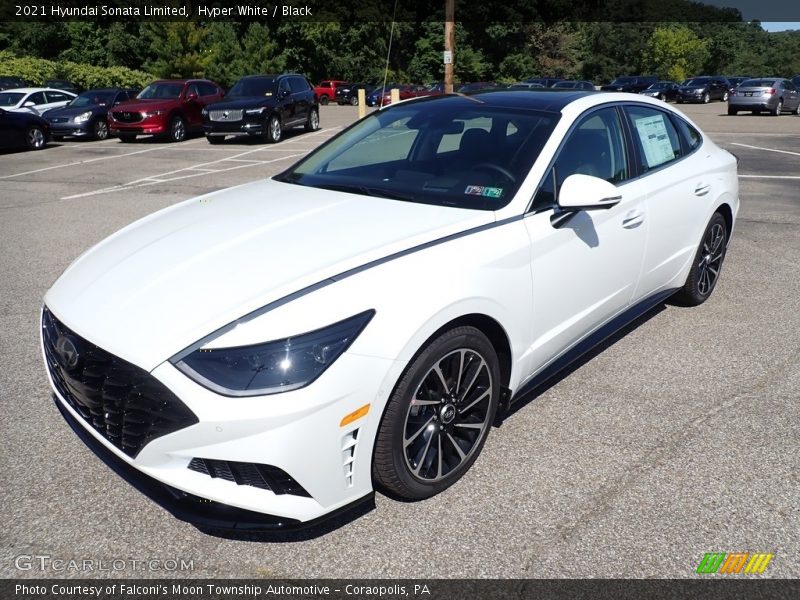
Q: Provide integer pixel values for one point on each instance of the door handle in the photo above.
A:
(633, 218)
(702, 189)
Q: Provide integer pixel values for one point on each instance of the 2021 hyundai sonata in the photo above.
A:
(266, 355)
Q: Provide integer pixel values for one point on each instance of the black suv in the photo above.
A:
(631, 83)
(264, 106)
(704, 89)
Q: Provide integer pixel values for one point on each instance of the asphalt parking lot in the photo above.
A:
(677, 438)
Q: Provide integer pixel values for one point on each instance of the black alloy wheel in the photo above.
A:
(706, 265)
(439, 415)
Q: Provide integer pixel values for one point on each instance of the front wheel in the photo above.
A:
(273, 131)
(725, 97)
(707, 264)
(776, 112)
(324, 100)
(100, 130)
(354, 100)
(706, 98)
(439, 415)
(177, 129)
(35, 138)
(215, 139)
(127, 138)
(312, 122)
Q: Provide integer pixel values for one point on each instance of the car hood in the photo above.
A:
(71, 111)
(162, 283)
(146, 105)
(249, 102)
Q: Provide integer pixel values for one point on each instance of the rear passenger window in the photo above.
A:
(298, 84)
(655, 136)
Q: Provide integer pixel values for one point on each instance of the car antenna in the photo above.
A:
(388, 53)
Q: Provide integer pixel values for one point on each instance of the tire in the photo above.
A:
(272, 129)
(177, 129)
(324, 100)
(776, 112)
(354, 100)
(725, 97)
(100, 130)
(756, 112)
(312, 122)
(680, 101)
(35, 138)
(797, 109)
(215, 139)
(127, 138)
(710, 254)
(453, 384)
(732, 112)
(706, 98)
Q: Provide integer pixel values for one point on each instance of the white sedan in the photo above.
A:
(34, 100)
(266, 355)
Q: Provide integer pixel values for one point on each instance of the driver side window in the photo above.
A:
(595, 147)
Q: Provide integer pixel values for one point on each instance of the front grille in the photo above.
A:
(266, 477)
(225, 115)
(127, 117)
(126, 404)
(58, 119)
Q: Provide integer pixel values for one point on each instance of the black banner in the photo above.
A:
(410, 589)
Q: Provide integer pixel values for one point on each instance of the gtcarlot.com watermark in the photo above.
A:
(48, 563)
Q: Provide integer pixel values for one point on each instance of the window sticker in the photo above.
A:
(485, 191)
(655, 140)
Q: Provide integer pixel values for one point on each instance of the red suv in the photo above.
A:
(326, 90)
(168, 108)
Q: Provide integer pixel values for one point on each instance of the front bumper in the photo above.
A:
(149, 126)
(297, 433)
(71, 129)
(243, 127)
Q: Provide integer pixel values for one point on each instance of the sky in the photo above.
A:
(780, 26)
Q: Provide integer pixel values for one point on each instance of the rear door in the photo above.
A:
(677, 177)
(301, 96)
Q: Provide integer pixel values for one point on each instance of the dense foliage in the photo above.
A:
(507, 51)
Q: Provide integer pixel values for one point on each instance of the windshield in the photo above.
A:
(658, 86)
(622, 80)
(697, 81)
(10, 99)
(93, 98)
(161, 91)
(456, 152)
(245, 88)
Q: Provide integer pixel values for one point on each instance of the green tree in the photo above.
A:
(675, 52)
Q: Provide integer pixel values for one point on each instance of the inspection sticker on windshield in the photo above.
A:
(482, 190)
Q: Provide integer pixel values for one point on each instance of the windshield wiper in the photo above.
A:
(365, 190)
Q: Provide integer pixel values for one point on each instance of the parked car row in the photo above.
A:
(258, 106)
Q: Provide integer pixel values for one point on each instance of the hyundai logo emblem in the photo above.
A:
(67, 352)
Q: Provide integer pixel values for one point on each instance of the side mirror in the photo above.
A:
(283, 93)
(191, 96)
(584, 192)
(29, 103)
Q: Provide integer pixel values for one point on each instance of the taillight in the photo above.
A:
(770, 91)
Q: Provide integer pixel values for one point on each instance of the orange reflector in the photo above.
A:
(355, 415)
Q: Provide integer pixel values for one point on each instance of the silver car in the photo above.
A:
(772, 94)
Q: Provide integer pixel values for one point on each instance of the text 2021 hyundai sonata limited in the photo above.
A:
(266, 355)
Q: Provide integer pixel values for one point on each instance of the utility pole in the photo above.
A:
(449, 44)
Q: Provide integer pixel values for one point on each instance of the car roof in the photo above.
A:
(543, 99)
(29, 90)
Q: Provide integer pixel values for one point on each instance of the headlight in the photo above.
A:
(273, 367)
(153, 113)
(255, 111)
(83, 117)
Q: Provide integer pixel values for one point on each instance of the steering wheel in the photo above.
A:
(487, 166)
